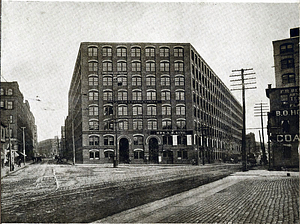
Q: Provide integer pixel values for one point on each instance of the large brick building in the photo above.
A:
(16, 114)
(283, 121)
(149, 103)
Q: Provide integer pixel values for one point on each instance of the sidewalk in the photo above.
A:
(5, 170)
(256, 196)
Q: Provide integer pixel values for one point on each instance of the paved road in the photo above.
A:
(255, 196)
(72, 194)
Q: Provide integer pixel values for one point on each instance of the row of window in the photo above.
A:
(136, 95)
(137, 81)
(8, 92)
(107, 66)
(138, 110)
(136, 124)
(138, 154)
(135, 52)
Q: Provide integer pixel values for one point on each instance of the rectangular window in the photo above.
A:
(136, 66)
(179, 81)
(164, 67)
(150, 81)
(121, 67)
(164, 52)
(166, 110)
(178, 52)
(178, 66)
(93, 81)
(152, 125)
(9, 105)
(135, 52)
(92, 51)
(136, 95)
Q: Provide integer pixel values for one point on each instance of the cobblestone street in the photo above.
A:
(250, 197)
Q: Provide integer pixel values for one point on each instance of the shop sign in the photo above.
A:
(288, 138)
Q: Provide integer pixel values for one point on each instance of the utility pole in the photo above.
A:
(24, 144)
(243, 84)
(261, 110)
(10, 147)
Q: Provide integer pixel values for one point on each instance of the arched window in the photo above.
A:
(150, 66)
(136, 95)
(165, 95)
(108, 124)
(108, 140)
(121, 52)
(94, 154)
(107, 66)
(136, 81)
(93, 110)
(123, 125)
(136, 66)
(152, 124)
(10, 92)
(121, 66)
(93, 95)
(178, 52)
(122, 95)
(137, 110)
(138, 140)
(164, 52)
(151, 95)
(107, 51)
(138, 154)
(93, 140)
(178, 66)
(165, 80)
(164, 66)
(135, 52)
(150, 81)
(93, 124)
(108, 109)
(93, 66)
(167, 124)
(122, 110)
(107, 81)
(180, 110)
(151, 110)
(92, 51)
(137, 125)
(181, 124)
(93, 81)
(179, 81)
(107, 95)
(166, 110)
(122, 81)
(179, 95)
(150, 52)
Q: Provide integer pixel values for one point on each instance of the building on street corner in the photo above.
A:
(283, 119)
(16, 116)
(149, 103)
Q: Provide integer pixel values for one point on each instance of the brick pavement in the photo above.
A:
(249, 197)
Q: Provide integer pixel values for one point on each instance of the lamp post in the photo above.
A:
(24, 144)
(10, 147)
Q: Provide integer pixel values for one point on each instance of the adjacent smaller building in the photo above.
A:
(283, 119)
(16, 121)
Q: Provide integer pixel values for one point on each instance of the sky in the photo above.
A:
(40, 42)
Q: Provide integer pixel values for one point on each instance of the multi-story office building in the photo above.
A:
(283, 121)
(149, 103)
(16, 115)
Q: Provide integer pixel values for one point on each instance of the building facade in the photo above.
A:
(16, 115)
(283, 120)
(48, 148)
(149, 103)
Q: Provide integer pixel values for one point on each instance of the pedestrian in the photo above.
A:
(19, 162)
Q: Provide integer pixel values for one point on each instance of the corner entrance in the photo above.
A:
(123, 150)
(153, 150)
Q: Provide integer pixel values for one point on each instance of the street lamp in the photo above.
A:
(23, 143)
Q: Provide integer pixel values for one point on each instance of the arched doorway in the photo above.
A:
(153, 150)
(123, 150)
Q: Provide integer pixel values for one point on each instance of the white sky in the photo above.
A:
(40, 42)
